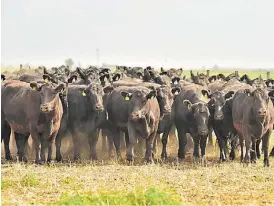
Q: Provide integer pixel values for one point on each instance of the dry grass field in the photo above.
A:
(113, 182)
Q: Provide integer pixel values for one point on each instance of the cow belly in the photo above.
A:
(238, 127)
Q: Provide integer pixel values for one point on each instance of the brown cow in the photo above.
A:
(253, 118)
(30, 109)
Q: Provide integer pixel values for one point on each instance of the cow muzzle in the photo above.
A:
(99, 107)
(47, 108)
(262, 112)
(136, 115)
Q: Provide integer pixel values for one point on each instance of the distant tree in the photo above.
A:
(69, 62)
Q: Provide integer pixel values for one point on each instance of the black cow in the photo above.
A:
(190, 113)
(84, 107)
(135, 111)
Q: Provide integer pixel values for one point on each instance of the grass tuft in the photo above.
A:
(140, 196)
(29, 180)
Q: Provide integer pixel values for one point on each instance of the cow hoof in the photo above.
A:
(196, 160)
(39, 162)
(130, 163)
(203, 161)
(9, 158)
(266, 163)
(59, 159)
(164, 156)
(254, 161)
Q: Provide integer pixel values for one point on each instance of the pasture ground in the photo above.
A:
(113, 182)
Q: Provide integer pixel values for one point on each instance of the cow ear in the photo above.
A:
(60, 87)
(126, 95)
(83, 91)
(3, 77)
(108, 89)
(116, 77)
(229, 95)
(151, 94)
(34, 86)
(247, 92)
(176, 80)
(271, 94)
(187, 103)
(46, 78)
(175, 91)
(72, 79)
(206, 93)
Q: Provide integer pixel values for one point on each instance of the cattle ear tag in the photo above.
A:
(46, 80)
(206, 97)
(84, 93)
(189, 107)
(127, 98)
(33, 88)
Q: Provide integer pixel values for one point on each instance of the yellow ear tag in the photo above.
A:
(84, 94)
(127, 98)
(46, 80)
(206, 97)
(33, 89)
(189, 107)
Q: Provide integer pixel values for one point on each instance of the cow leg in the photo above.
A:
(258, 148)
(51, 139)
(117, 141)
(232, 152)
(272, 152)
(203, 149)
(265, 146)
(242, 147)
(92, 140)
(221, 143)
(196, 153)
(210, 138)
(110, 144)
(182, 143)
(164, 143)
(20, 143)
(36, 141)
(76, 155)
(104, 140)
(248, 144)
(132, 136)
(58, 141)
(253, 155)
(5, 135)
(149, 145)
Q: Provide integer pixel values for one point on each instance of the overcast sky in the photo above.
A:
(182, 33)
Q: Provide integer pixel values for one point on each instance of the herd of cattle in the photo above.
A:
(137, 104)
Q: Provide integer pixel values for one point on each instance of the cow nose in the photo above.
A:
(167, 109)
(134, 115)
(99, 106)
(262, 112)
(44, 107)
(218, 116)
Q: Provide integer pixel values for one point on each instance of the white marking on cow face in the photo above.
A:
(204, 120)
(176, 93)
(270, 84)
(176, 82)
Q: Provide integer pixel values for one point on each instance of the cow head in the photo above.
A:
(49, 95)
(3, 77)
(217, 100)
(260, 100)
(198, 116)
(93, 93)
(175, 81)
(165, 99)
(137, 102)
